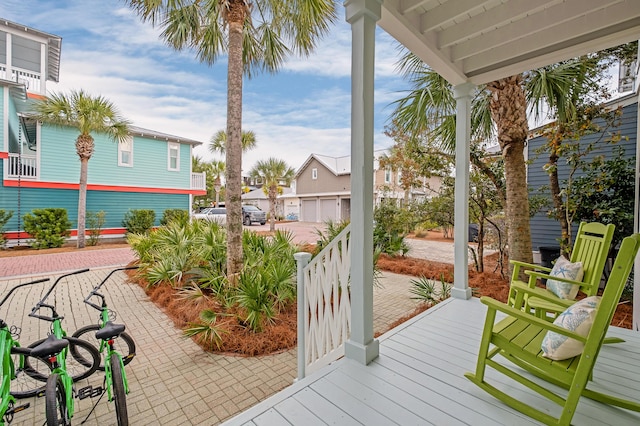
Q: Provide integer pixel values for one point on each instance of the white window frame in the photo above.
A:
(399, 177)
(172, 146)
(387, 175)
(124, 147)
(314, 173)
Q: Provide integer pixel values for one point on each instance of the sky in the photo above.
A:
(304, 109)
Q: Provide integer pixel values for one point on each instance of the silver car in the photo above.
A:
(213, 214)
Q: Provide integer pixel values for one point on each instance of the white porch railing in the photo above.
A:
(324, 306)
(199, 180)
(31, 79)
(23, 166)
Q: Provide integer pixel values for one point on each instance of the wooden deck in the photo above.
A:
(418, 379)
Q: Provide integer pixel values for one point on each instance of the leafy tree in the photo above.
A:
(88, 115)
(273, 172)
(257, 35)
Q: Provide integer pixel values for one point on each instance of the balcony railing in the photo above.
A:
(324, 306)
(22, 166)
(199, 181)
(31, 79)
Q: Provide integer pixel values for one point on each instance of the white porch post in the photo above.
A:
(462, 94)
(362, 15)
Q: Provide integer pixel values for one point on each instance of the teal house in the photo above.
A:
(39, 167)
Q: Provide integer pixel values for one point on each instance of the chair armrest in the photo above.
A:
(530, 265)
(537, 274)
(538, 292)
(518, 314)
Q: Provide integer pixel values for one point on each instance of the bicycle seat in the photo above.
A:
(49, 347)
(110, 330)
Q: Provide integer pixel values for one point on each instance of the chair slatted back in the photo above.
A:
(591, 247)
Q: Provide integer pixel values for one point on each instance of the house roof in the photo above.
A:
(258, 194)
(54, 45)
(484, 40)
(139, 131)
(336, 165)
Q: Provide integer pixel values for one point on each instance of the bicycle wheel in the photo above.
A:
(56, 402)
(119, 394)
(123, 345)
(77, 370)
(30, 373)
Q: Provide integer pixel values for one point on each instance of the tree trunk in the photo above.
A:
(273, 197)
(82, 202)
(84, 148)
(508, 110)
(233, 171)
(556, 196)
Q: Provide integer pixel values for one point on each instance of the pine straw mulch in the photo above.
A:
(236, 338)
(487, 283)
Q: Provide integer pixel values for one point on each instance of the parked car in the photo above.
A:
(252, 214)
(213, 214)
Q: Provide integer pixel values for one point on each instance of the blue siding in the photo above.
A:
(115, 204)
(546, 231)
(3, 145)
(60, 163)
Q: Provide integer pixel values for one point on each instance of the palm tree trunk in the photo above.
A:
(235, 68)
(82, 201)
(508, 110)
(273, 197)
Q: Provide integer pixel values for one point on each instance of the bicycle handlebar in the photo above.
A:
(94, 292)
(41, 280)
(41, 303)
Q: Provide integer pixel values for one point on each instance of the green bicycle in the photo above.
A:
(59, 390)
(10, 349)
(108, 333)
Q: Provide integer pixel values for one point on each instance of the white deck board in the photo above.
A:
(418, 379)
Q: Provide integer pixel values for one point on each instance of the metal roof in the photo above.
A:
(139, 131)
(484, 40)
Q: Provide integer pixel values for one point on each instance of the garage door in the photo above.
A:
(328, 210)
(309, 211)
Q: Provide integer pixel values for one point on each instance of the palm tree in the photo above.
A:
(273, 172)
(257, 35)
(217, 168)
(87, 114)
(498, 108)
(218, 142)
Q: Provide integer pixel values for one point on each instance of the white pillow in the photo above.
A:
(565, 269)
(577, 318)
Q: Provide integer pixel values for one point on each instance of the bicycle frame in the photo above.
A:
(58, 362)
(7, 367)
(106, 345)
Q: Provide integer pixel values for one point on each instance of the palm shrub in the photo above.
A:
(430, 291)
(49, 227)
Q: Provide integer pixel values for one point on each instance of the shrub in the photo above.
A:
(174, 215)
(4, 218)
(95, 222)
(139, 221)
(49, 227)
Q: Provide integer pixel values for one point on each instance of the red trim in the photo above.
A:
(35, 96)
(14, 235)
(94, 187)
(4, 155)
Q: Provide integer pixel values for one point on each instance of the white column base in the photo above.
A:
(362, 354)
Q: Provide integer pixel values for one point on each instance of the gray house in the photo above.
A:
(545, 231)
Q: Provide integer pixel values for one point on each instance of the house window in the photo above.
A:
(314, 174)
(174, 157)
(399, 178)
(387, 175)
(125, 152)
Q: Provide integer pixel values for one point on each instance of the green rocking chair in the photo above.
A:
(519, 339)
(591, 248)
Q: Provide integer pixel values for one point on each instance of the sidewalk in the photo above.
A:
(172, 380)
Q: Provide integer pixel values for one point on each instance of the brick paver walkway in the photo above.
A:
(173, 382)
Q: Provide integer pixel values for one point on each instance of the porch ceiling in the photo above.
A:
(484, 40)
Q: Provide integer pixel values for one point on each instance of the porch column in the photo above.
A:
(362, 15)
(636, 223)
(462, 94)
